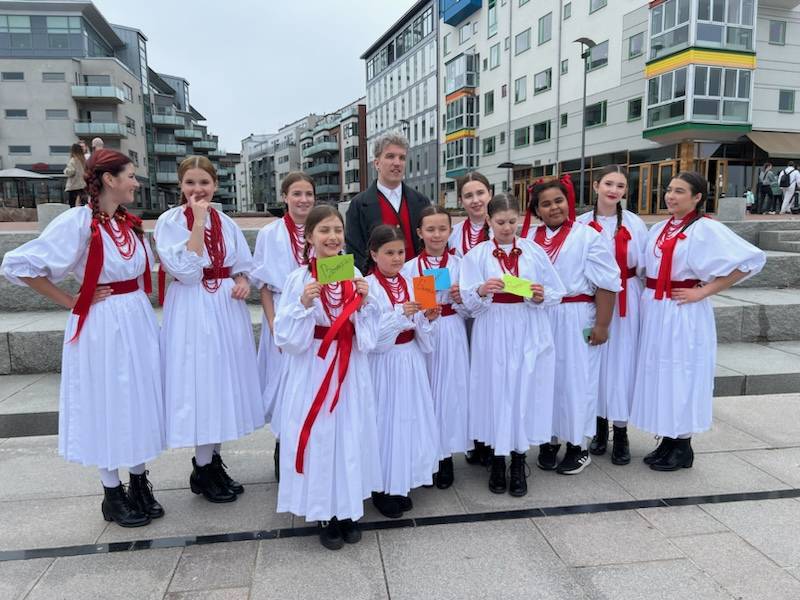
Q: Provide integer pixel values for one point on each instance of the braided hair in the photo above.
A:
(608, 171)
(101, 162)
(317, 214)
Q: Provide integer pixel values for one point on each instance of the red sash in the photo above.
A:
(577, 298)
(390, 217)
(621, 239)
(505, 298)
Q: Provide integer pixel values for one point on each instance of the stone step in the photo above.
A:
(786, 241)
(781, 271)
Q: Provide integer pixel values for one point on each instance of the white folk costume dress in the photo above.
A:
(583, 263)
(678, 343)
(619, 354)
(331, 459)
(407, 431)
(211, 387)
(279, 252)
(466, 236)
(512, 354)
(111, 412)
(448, 363)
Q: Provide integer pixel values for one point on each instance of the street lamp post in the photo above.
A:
(586, 51)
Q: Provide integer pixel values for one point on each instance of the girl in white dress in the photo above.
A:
(279, 251)
(111, 412)
(580, 322)
(331, 461)
(448, 363)
(625, 235)
(688, 259)
(407, 431)
(211, 387)
(512, 357)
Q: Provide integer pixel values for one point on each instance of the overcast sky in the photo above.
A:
(254, 66)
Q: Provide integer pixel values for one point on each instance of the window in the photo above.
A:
(59, 149)
(128, 92)
(134, 156)
(461, 72)
(446, 44)
(507, 43)
(598, 56)
(494, 56)
(721, 94)
(777, 32)
(541, 132)
(666, 98)
(564, 120)
(636, 45)
(488, 103)
(12, 76)
(545, 28)
(461, 114)
(503, 90)
(634, 109)
(56, 113)
(522, 41)
(16, 113)
(461, 154)
(19, 149)
(17, 30)
(725, 23)
(564, 66)
(786, 101)
(567, 10)
(595, 114)
(596, 5)
(47, 77)
(669, 27)
(464, 33)
(521, 137)
(542, 81)
(491, 18)
(521, 89)
(130, 125)
(488, 145)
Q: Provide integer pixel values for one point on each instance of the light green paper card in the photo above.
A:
(336, 268)
(517, 286)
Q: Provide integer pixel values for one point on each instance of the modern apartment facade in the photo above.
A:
(403, 90)
(514, 88)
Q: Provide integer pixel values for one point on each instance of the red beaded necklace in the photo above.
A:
(670, 230)
(395, 287)
(215, 244)
(423, 259)
(469, 239)
(333, 296)
(297, 238)
(123, 236)
(509, 263)
(554, 244)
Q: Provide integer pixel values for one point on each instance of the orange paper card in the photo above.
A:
(425, 291)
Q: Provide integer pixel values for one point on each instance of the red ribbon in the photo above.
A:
(566, 180)
(663, 283)
(621, 239)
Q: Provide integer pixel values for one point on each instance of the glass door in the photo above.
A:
(666, 171)
(643, 197)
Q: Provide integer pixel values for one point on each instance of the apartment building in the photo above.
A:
(670, 85)
(403, 90)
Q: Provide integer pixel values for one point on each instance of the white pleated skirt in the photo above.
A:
(270, 363)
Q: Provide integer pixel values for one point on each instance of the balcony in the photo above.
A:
(321, 148)
(166, 177)
(188, 134)
(217, 154)
(320, 168)
(101, 93)
(110, 130)
(170, 149)
(455, 11)
(205, 145)
(328, 188)
(171, 121)
(224, 172)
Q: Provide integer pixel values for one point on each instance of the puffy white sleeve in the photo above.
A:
(243, 260)
(716, 251)
(469, 280)
(554, 289)
(57, 251)
(391, 320)
(171, 237)
(294, 323)
(367, 321)
(258, 273)
(601, 267)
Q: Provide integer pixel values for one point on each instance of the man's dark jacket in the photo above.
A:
(365, 213)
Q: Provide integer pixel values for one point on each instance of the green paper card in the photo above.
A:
(336, 268)
(517, 286)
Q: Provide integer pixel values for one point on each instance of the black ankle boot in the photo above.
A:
(681, 456)
(473, 456)
(548, 455)
(116, 507)
(329, 534)
(404, 502)
(600, 440)
(386, 505)
(140, 495)
(660, 452)
(620, 450)
(444, 478)
(276, 459)
(517, 480)
(204, 480)
(350, 530)
(219, 466)
(497, 478)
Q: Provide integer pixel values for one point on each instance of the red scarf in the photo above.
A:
(621, 239)
(666, 242)
(125, 241)
(390, 217)
(554, 244)
(342, 331)
(566, 180)
(297, 239)
(508, 263)
(470, 240)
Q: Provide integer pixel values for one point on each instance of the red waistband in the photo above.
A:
(577, 298)
(631, 272)
(675, 285)
(405, 337)
(448, 310)
(504, 298)
(123, 287)
(320, 331)
(212, 273)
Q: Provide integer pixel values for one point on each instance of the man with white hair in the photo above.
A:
(387, 201)
(97, 144)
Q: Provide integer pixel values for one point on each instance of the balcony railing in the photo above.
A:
(188, 134)
(328, 188)
(217, 154)
(169, 121)
(88, 128)
(170, 149)
(321, 148)
(320, 168)
(108, 93)
(166, 177)
(205, 145)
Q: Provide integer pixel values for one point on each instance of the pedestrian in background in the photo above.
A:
(75, 169)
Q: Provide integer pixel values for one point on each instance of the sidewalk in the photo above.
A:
(727, 528)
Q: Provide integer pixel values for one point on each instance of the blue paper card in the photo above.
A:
(441, 278)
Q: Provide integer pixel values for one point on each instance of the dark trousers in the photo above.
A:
(73, 196)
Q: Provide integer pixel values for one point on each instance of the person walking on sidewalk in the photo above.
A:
(789, 181)
(75, 170)
(111, 412)
(764, 196)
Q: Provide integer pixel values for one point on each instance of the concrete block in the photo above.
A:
(782, 463)
(242, 593)
(728, 320)
(48, 211)
(18, 577)
(5, 354)
(36, 351)
(757, 417)
(682, 520)
(215, 566)
(781, 271)
(731, 208)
